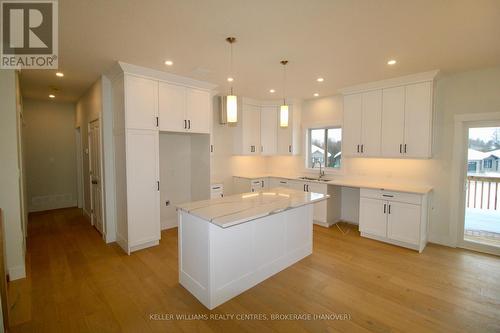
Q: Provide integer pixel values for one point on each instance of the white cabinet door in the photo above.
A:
(393, 121)
(320, 208)
(172, 107)
(198, 111)
(403, 222)
(143, 196)
(285, 134)
(418, 120)
(296, 185)
(269, 130)
(373, 217)
(251, 129)
(141, 102)
(371, 123)
(351, 129)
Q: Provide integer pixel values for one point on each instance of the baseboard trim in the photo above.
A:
(36, 209)
(17, 272)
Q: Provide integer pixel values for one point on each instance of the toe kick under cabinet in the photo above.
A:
(394, 217)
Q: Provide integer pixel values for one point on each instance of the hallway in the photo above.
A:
(77, 283)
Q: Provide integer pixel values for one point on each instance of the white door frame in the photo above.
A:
(459, 172)
(79, 166)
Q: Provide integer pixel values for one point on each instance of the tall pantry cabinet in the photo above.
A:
(138, 118)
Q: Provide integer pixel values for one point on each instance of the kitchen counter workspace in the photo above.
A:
(228, 245)
(356, 182)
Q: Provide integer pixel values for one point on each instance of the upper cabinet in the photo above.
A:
(362, 114)
(247, 132)
(141, 102)
(269, 130)
(258, 131)
(391, 118)
(183, 109)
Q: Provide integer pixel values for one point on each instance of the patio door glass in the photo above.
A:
(482, 197)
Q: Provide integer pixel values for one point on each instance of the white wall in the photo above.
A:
(50, 154)
(11, 201)
(184, 174)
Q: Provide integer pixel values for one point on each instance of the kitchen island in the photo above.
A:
(228, 245)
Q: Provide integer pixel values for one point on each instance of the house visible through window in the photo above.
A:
(471, 167)
(325, 148)
(488, 164)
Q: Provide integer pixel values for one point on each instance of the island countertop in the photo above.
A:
(240, 208)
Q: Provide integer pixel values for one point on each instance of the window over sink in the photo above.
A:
(324, 148)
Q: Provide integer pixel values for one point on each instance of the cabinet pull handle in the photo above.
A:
(185, 124)
(290, 148)
(400, 148)
(358, 148)
(388, 195)
(158, 184)
(261, 149)
(385, 205)
(405, 148)
(262, 182)
(157, 122)
(362, 148)
(389, 208)
(282, 182)
(304, 187)
(189, 124)
(211, 148)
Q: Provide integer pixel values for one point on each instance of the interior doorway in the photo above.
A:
(79, 167)
(95, 175)
(481, 229)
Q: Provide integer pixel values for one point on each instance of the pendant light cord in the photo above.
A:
(284, 84)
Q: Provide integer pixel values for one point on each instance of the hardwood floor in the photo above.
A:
(77, 283)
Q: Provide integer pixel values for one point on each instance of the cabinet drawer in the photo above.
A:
(411, 198)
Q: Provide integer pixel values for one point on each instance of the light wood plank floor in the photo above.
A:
(77, 283)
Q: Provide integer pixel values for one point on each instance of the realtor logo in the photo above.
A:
(29, 34)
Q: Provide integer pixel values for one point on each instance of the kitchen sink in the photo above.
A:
(315, 179)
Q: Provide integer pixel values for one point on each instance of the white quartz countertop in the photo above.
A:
(240, 208)
(352, 182)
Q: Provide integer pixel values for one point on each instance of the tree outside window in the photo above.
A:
(325, 146)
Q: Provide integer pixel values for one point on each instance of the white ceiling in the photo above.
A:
(347, 42)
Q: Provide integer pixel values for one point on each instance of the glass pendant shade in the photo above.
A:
(284, 115)
(232, 109)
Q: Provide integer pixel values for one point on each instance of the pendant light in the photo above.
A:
(284, 106)
(231, 99)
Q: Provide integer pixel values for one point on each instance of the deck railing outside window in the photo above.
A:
(483, 192)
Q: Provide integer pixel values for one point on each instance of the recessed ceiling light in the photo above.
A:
(391, 62)
(272, 91)
(230, 79)
(320, 79)
(315, 94)
(52, 96)
(60, 74)
(169, 62)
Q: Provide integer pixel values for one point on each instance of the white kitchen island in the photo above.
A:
(228, 245)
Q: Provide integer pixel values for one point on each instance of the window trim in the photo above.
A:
(307, 147)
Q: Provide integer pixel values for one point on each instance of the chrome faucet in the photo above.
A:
(321, 171)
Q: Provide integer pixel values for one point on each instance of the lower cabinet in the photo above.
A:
(394, 217)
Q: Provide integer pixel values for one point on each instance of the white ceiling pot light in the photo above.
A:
(284, 106)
